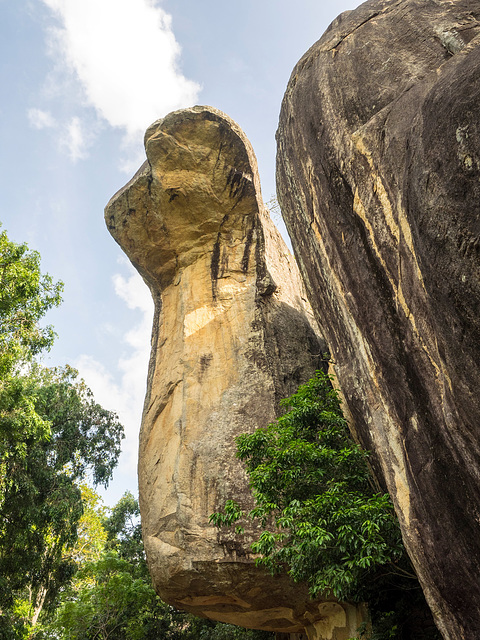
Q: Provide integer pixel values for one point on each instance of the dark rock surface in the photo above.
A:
(379, 181)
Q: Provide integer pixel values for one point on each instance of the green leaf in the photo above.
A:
(311, 484)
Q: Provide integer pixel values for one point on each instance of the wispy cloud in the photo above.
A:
(124, 392)
(75, 140)
(40, 119)
(125, 57)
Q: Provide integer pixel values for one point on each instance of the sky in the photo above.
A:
(81, 81)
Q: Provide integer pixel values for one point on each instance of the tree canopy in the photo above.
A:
(112, 596)
(53, 436)
(324, 520)
(311, 481)
(41, 502)
(25, 297)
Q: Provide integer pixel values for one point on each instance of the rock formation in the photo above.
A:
(233, 334)
(378, 172)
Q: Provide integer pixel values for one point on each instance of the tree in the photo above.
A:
(124, 532)
(311, 481)
(113, 596)
(110, 602)
(324, 520)
(52, 436)
(42, 503)
(25, 296)
(91, 534)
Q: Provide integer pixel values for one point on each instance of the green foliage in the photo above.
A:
(109, 600)
(52, 436)
(85, 437)
(312, 483)
(25, 297)
(323, 520)
(41, 503)
(112, 597)
(91, 534)
(124, 532)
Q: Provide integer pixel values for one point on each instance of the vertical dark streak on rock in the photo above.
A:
(215, 261)
(238, 183)
(246, 252)
(214, 265)
(217, 162)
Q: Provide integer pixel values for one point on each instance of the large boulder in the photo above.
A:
(233, 334)
(378, 172)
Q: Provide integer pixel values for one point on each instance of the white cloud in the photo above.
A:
(126, 57)
(74, 137)
(40, 119)
(75, 140)
(133, 290)
(125, 392)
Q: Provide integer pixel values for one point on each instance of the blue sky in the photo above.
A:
(81, 81)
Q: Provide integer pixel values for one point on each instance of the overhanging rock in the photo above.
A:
(233, 334)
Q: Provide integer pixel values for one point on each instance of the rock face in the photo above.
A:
(233, 334)
(378, 172)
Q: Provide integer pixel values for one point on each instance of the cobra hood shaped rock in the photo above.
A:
(233, 334)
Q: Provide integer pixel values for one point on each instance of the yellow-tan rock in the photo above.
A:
(233, 334)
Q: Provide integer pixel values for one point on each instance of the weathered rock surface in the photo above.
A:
(378, 173)
(233, 334)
